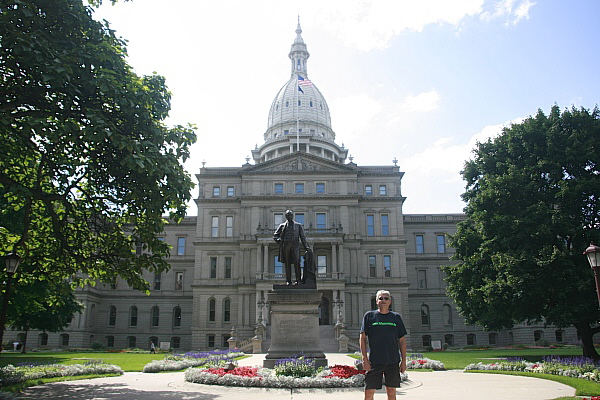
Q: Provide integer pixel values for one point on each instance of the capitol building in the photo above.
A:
(225, 261)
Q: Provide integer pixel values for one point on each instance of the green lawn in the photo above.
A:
(129, 362)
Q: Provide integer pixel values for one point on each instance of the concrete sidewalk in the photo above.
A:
(447, 385)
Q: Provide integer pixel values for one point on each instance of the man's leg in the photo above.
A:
(288, 273)
(369, 393)
(391, 393)
(297, 271)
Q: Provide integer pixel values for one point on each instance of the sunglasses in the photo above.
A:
(384, 298)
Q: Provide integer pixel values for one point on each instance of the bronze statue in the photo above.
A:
(288, 235)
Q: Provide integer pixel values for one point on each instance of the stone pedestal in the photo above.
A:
(294, 325)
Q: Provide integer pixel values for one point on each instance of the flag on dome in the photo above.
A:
(303, 82)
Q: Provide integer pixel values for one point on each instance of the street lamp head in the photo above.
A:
(593, 255)
(12, 262)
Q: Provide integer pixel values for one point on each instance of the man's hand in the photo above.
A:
(366, 364)
(403, 365)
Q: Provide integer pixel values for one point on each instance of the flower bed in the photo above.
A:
(213, 358)
(574, 367)
(333, 377)
(11, 374)
(417, 361)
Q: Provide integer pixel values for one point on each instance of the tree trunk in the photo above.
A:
(24, 340)
(586, 333)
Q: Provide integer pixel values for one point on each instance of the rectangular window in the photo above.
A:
(180, 246)
(131, 342)
(320, 188)
(278, 188)
(368, 190)
(178, 280)
(441, 243)
(216, 191)
(321, 221)
(213, 268)
(299, 188)
(229, 226)
(370, 225)
(157, 279)
(176, 342)
(227, 267)
(230, 191)
(211, 341)
(420, 244)
(110, 341)
(385, 225)
(422, 279)
(278, 267)
(387, 266)
(138, 249)
(321, 265)
(278, 219)
(214, 230)
(382, 190)
(133, 316)
(299, 217)
(372, 267)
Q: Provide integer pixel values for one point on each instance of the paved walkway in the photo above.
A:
(447, 385)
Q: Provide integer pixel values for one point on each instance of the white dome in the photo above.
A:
(299, 118)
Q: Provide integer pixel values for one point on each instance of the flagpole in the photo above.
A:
(297, 114)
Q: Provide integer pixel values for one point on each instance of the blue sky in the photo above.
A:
(420, 81)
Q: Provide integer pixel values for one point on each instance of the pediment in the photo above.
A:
(305, 163)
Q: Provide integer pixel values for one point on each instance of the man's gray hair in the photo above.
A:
(382, 291)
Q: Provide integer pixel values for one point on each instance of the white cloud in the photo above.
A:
(375, 23)
(512, 10)
(423, 102)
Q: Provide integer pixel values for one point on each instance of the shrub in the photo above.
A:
(97, 346)
(297, 366)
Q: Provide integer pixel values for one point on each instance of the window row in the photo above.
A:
(440, 243)
(491, 338)
(179, 249)
(319, 220)
(321, 265)
(446, 315)
(230, 191)
(154, 316)
(157, 284)
(225, 314)
(215, 229)
(382, 190)
(383, 225)
(226, 264)
(211, 342)
(375, 270)
(132, 342)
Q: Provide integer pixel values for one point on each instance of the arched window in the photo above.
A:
(64, 339)
(493, 338)
(131, 342)
(449, 339)
(424, 315)
(176, 342)
(177, 316)
(426, 340)
(110, 341)
(538, 335)
(212, 305)
(92, 315)
(133, 316)
(227, 310)
(471, 339)
(112, 316)
(447, 314)
(155, 315)
(559, 334)
(43, 339)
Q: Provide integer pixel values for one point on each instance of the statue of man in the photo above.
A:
(289, 235)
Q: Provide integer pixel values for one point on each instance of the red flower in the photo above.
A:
(248, 372)
(343, 372)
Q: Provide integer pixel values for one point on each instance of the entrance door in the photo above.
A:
(324, 311)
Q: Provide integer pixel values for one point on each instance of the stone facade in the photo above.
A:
(224, 261)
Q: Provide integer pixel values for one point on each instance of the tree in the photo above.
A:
(42, 305)
(533, 207)
(88, 168)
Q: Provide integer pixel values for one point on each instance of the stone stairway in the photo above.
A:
(329, 343)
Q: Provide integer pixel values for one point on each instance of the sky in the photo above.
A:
(419, 81)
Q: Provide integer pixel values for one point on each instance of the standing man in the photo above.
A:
(288, 235)
(386, 333)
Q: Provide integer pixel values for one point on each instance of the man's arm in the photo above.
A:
(277, 234)
(402, 342)
(363, 351)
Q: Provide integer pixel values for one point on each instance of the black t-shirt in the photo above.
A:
(383, 332)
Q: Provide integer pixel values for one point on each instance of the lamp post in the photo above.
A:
(593, 255)
(12, 261)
